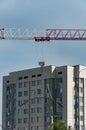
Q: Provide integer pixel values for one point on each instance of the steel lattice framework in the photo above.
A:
(47, 35)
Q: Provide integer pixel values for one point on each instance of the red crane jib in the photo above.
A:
(63, 34)
(50, 34)
(66, 34)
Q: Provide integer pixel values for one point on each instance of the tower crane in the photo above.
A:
(47, 35)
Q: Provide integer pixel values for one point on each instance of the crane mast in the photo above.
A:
(46, 35)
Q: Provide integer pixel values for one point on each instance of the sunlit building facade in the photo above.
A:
(31, 98)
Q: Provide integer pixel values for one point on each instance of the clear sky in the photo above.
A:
(38, 15)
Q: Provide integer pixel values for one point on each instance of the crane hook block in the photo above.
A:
(41, 63)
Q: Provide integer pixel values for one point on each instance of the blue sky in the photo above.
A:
(38, 15)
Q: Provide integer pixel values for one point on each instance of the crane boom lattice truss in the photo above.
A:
(47, 35)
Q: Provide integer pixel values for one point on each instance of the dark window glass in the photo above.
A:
(33, 76)
(33, 83)
(39, 75)
(26, 77)
(19, 94)
(20, 78)
(39, 82)
(25, 84)
(20, 85)
(25, 93)
(39, 91)
(59, 72)
(25, 111)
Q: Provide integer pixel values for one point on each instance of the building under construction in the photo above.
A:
(32, 97)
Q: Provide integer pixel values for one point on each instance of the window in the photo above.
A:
(25, 93)
(39, 100)
(8, 88)
(47, 119)
(81, 99)
(60, 99)
(19, 103)
(46, 91)
(46, 109)
(25, 120)
(13, 121)
(19, 120)
(39, 82)
(33, 101)
(33, 76)
(33, 110)
(20, 85)
(25, 101)
(19, 94)
(32, 127)
(81, 118)
(19, 111)
(39, 110)
(81, 127)
(33, 83)
(39, 119)
(25, 111)
(81, 89)
(20, 78)
(25, 84)
(59, 90)
(32, 119)
(39, 75)
(39, 91)
(59, 80)
(46, 100)
(38, 128)
(25, 128)
(26, 77)
(33, 92)
(8, 81)
(81, 108)
(81, 80)
(59, 72)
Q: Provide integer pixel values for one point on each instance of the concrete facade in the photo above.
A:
(31, 98)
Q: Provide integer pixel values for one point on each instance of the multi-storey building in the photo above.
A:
(31, 98)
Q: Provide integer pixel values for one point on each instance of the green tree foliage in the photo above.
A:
(58, 125)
